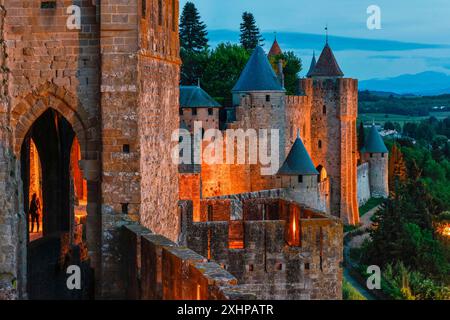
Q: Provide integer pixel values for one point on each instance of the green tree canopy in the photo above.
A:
(193, 34)
(292, 65)
(250, 35)
(224, 67)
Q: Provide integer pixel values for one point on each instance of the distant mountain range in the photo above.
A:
(427, 83)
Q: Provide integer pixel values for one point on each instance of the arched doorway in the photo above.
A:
(53, 187)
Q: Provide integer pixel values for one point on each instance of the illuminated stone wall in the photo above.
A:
(333, 141)
(158, 269)
(266, 265)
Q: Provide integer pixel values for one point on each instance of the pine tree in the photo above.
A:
(250, 35)
(193, 33)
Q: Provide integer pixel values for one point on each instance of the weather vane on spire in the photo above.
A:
(275, 35)
(326, 33)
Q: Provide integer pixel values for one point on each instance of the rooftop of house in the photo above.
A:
(258, 75)
(196, 97)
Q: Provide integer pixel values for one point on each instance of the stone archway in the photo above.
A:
(25, 115)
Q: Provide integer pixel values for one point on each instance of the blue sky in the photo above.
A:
(423, 24)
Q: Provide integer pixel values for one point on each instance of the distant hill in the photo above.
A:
(427, 83)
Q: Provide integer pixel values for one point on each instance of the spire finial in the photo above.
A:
(198, 82)
(298, 133)
(275, 35)
(326, 33)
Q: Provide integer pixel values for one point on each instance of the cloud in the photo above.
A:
(314, 41)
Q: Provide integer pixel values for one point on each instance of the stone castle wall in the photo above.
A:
(266, 265)
(46, 65)
(363, 184)
(115, 80)
(333, 136)
(378, 174)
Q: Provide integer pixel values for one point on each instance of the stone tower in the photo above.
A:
(111, 82)
(333, 132)
(264, 95)
(377, 155)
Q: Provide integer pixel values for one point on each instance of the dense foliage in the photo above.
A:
(402, 105)
(222, 70)
(292, 65)
(404, 243)
(217, 70)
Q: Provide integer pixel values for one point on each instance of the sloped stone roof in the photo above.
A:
(275, 49)
(196, 97)
(298, 162)
(374, 143)
(312, 66)
(327, 65)
(258, 74)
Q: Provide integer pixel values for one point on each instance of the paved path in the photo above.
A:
(356, 242)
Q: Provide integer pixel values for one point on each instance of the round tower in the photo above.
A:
(377, 155)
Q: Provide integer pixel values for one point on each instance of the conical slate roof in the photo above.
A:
(312, 66)
(258, 74)
(327, 65)
(298, 161)
(196, 97)
(275, 49)
(374, 143)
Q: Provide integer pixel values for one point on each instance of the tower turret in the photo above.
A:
(327, 66)
(376, 154)
(312, 66)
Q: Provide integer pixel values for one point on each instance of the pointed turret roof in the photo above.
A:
(313, 65)
(327, 65)
(374, 143)
(275, 49)
(298, 161)
(196, 97)
(258, 74)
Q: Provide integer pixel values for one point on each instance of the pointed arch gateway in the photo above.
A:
(50, 139)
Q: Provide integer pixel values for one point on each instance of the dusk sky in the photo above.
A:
(415, 22)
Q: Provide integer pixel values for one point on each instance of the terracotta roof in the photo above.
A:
(258, 74)
(275, 50)
(327, 65)
(312, 66)
(374, 143)
(298, 161)
(196, 97)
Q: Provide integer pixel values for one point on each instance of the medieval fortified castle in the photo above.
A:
(86, 122)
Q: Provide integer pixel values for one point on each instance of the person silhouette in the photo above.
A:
(34, 212)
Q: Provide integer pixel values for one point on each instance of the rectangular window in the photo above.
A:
(210, 111)
(144, 8)
(194, 111)
(181, 112)
(48, 4)
(174, 16)
(268, 98)
(300, 179)
(160, 12)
